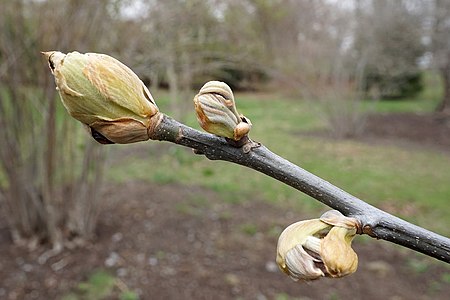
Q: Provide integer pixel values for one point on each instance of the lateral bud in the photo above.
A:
(217, 113)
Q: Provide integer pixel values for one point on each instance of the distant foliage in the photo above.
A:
(389, 43)
(394, 86)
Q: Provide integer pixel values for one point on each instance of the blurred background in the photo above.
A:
(355, 91)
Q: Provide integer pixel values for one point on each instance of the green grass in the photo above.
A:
(100, 285)
(249, 229)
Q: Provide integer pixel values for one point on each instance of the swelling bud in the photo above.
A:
(104, 94)
(311, 249)
(217, 113)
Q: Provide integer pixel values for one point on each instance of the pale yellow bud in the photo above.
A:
(104, 94)
(216, 111)
(336, 252)
(311, 249)
(336, 247)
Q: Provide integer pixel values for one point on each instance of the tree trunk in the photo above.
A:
(174, 90)
(444, 105)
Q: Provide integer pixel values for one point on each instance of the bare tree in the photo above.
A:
(53, 173)
(388, 37)
(309, 52)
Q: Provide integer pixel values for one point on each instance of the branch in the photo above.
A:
(374, 222)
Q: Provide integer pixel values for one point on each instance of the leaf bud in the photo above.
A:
(107, 96)
(311, 249)
(217, 113)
